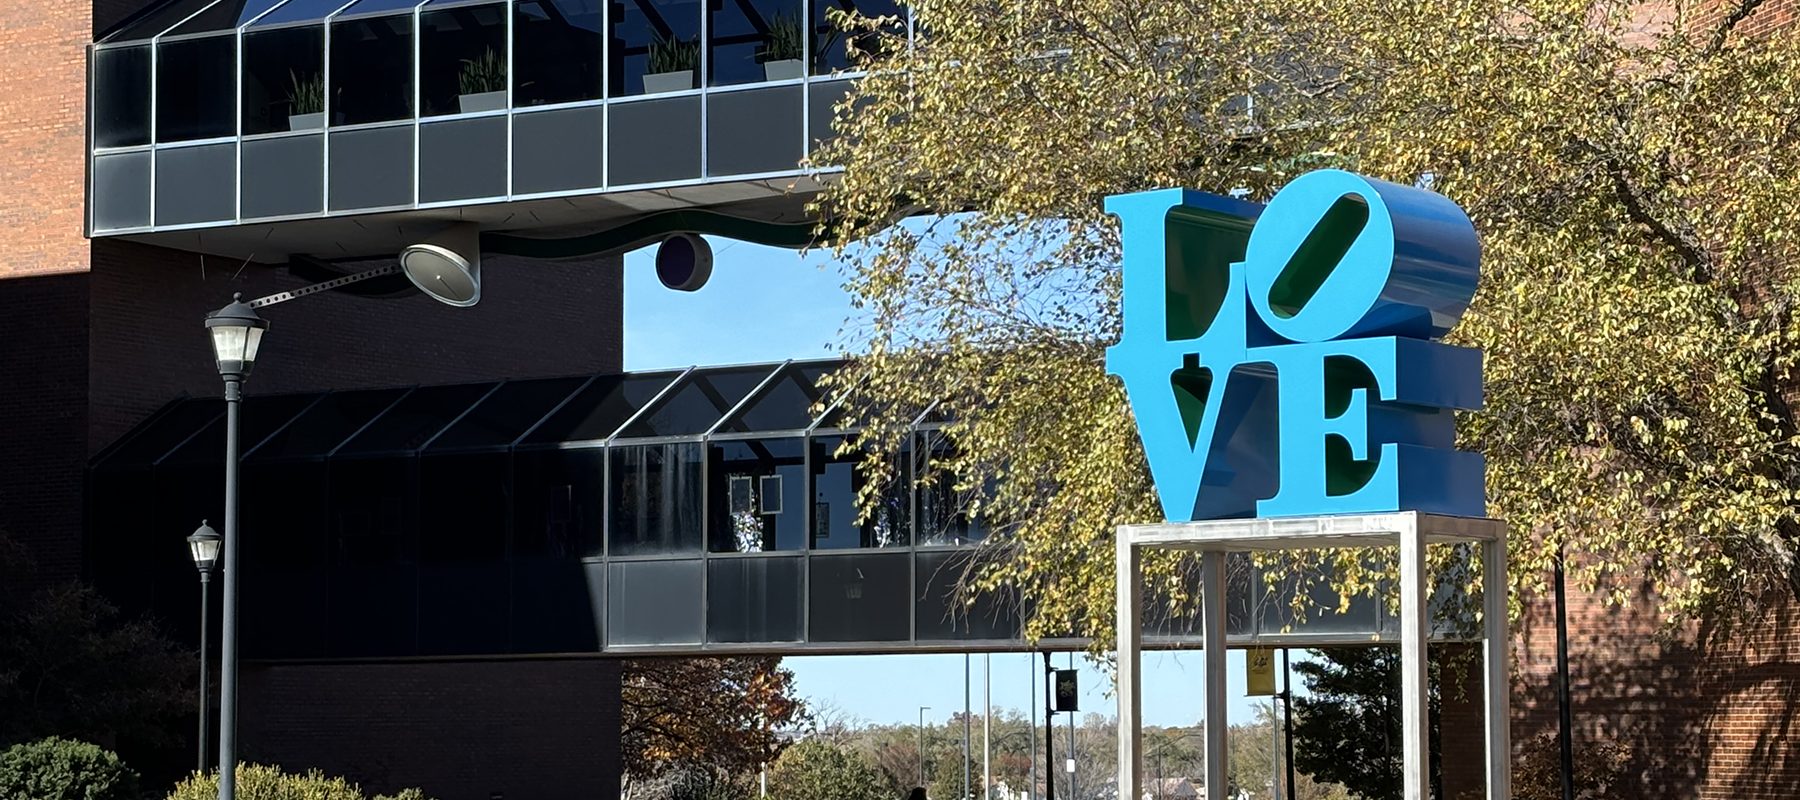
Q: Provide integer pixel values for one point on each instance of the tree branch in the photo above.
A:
(1678, 236)
(1743, 11)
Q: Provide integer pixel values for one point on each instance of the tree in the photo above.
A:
(721, 713)
(814, 770)
(1630, 167)
(1347, 724)
(72, 666)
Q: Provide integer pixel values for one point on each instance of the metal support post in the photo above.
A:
(228, 667)
(1212, 604)
(1130, 591)
(205, 706)
(1415, 733)
(1497, 658)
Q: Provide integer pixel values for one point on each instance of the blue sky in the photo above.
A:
(766, 304)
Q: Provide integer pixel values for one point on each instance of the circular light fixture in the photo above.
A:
(684, 262)
(447, 266)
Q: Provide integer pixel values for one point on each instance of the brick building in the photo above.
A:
(115, 254)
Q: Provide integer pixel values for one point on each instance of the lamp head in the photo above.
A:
(204, 544)
(237, 333)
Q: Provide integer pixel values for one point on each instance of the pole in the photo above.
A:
(228, 665)
(1072, 791)
(1287, 711)
(922, 710)
(1049, 730)
(987, 723)
(967, 760)
(205, 707)
(1275, 755)
(1031, 737)
(1565, 733)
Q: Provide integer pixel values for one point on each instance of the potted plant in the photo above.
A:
(482, 83)
(784, 57)
(672, 65)
(306, 102)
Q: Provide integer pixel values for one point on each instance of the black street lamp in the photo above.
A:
(237, 333)
(204, 545)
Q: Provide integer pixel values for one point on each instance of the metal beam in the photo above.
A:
(1415, 733)
(1130, 590)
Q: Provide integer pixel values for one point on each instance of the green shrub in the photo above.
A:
(258, 782)
(63, 769)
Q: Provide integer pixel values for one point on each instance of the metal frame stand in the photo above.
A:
(1413, 531)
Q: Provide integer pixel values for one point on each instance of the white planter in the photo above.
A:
(787, 69)
(484, 101)
(658, 82)
(306, 122)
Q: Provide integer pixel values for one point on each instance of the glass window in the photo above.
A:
(122, 96)
(558, 499)
(374, 558)
(757, 493)
(371, 70)
(160, 19)
(556, 57)
(655, 46)
(464, 574)
(755, 41)
(698, 403)
(860, 597)
(655, 499)
(836, 482)
(834, 49)
(655, 602)
(155, 437)
(287, 556)
(784, 404)
(943, 509)
(754, 599)
(598, 410)
(462, 59)
(415, 419)
(506, 414)
(321, 428)
(284, 80)
(196, 88)
(260, 417)
(300, 11)
(941, 611)
(225, 15)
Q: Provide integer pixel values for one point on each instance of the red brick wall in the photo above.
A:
(528, 730)
(1704, 717)
(42, 134)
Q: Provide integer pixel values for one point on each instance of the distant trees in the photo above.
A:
(818, 770)
(722, 714)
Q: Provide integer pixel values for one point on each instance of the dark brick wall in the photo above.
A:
(535, 319)
(43, 420)
(525, 730)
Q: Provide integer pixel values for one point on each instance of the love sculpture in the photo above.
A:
(1280, 360)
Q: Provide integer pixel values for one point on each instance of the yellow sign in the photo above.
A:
(1259, 671)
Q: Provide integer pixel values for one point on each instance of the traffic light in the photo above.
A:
(1066, 696)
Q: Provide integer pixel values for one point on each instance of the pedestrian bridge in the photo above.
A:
(705, 510)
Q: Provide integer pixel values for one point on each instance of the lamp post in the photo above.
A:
(922, 710)
(237, 333)
(203, 544)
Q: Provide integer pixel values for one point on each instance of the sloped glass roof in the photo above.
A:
(775, 398)
(197, 17)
